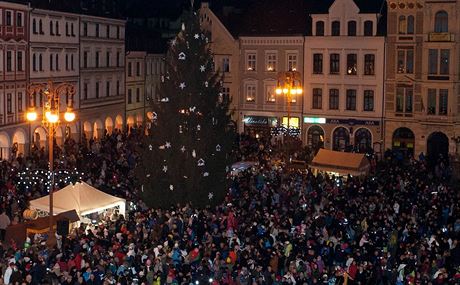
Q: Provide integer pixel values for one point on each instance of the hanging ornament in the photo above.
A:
(220, 99)
(183, 26)
(200, 162)
(165, 168)
(182, 85)
(207, 40)
(206, 174)
(206, 84)
(202, 36)
(182, 149)
(202, 68)
(188, 44)
(214, 121)
(193, 153)
(182, 56)
(154, 115)
(198, 127)
(168, 145)
(227, 169)
(218, 147)
(192, 109)
(150, 147)
(161, 147)
(210, 195)
(196, 36)
(162, 79)
(171, 187)
(148, 175)
(165, 100)
(180, 129)
(221, 83)
(173, 42)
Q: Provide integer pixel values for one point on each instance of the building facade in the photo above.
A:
(154, 68)
(53, 56)
(343, 80)
(135, 87)
(14, 35)
(102, 75)
(422, 87)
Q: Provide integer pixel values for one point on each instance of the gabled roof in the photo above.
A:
(365, 6)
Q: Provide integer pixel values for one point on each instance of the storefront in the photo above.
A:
(259, 126)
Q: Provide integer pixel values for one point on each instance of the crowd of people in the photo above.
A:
(398, 225)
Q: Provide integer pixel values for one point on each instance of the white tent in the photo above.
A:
(80, 197)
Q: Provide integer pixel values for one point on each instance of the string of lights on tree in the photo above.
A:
(31, 178)
(282, 130)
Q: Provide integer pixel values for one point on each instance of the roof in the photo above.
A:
(365, 6)
(341, 162)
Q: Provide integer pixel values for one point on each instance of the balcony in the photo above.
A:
(441, 37)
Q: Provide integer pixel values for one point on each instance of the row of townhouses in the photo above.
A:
(376, 74)
(36, 46)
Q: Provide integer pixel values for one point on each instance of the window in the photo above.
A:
(352, 28)
(250, 93)
(71, 30)
(19, 61)
(402, 25)
(85, 59)
(130, 72)
(108, 31)
(118, 59)
(438, 61)
(8, 18)
(334, 63)
(270, 93)
(67, 29)
(107, 58)
(57, 29)
(443, 99)
(85, 91)
(352, 64)
(71, 62)
(251, 61)
(441, 24)
(333, 99)
(318, 63)
(320, 28)
(97, 30)
(226, 94)
(138, 95)
(130, 96)
(118, 87)
(226, 64)
(40, 26)
(271, 61)
(404, 100)
(107, 88)
(34, 62)
(97, 89)
(406, 61)
(431, 106)
(9, 103)
(335, 28)
(20, 109)
(51, 28)
(351, 100)
(51, 62)
(138, 68)
(317, 98)
(85, 29)
(118, 32)
(368, 28)
(369, 64)
(19, 19)
(57, 61)
(368, 100)
(410, 25)
(9, 61)
(40, 62)
(34, 26)
(292, 62)
(66, 62)
(97, 59)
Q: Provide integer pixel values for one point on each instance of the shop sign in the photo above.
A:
(352, 122)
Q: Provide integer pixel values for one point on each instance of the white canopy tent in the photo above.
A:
(80, 197)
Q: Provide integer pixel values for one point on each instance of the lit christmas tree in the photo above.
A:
(187, 152)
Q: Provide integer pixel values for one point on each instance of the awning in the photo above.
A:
(343, 163)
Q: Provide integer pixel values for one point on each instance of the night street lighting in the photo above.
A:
(289, 84)
(50, 120)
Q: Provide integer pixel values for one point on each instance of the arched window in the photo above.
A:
(352, 28)
(402, 25)
(441, 22)
(34, 26)
(34, 62)
(335, 28)
(40, 26)
(368, 28)
(57, 28)
(410, 25)
(51, 28)
(320, 28)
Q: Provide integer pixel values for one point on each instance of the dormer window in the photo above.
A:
(335, 28)
(368, 28)
(320, 28)
(352, 28)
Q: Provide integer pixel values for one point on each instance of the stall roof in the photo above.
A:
(341, 162)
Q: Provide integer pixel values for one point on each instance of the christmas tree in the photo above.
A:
(186, 154)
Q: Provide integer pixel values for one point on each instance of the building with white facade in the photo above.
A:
(53, 56)
(135, 87)
(102, 75)
(343, 79)
(154, 68)
(13, 78)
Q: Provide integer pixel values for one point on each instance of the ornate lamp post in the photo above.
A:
(51, 117)
(289, 84)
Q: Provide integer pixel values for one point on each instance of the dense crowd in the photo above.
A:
(398, 225)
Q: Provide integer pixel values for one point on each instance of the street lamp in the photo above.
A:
(289, 84)
(50, 120)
